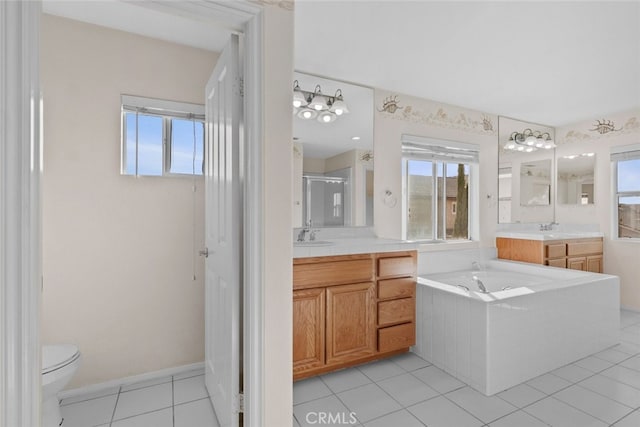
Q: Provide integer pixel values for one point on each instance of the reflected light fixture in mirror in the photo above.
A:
(309, 105)
(529, 141)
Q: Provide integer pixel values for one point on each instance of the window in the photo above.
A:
(161, 137)
(439, 185)
(626, 167)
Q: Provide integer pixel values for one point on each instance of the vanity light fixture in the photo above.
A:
(309, 105)
(529, 141)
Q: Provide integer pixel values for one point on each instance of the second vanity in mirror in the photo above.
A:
(333, 158)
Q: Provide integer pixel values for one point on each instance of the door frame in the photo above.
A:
(20, 181)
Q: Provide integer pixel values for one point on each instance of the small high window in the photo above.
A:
(161, 138)
(440, 178)
(626, 169)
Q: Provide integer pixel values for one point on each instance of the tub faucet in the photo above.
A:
(483, 289)
(476, 265)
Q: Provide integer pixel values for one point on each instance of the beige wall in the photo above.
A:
(118, 250)
(620, 256)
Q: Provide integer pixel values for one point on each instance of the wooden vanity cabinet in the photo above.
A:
(577, 254)
(351, 309)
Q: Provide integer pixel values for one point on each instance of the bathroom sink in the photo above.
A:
(313, 243)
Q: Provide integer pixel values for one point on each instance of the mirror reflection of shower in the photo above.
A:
(326, 198)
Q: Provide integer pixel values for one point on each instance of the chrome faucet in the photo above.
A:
(305, 230)
(548, 227)
(483, 289)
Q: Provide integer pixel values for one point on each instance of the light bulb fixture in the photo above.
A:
(309, 105)
(327, 117)
(529, 141)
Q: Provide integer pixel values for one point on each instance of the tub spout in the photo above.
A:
(483, 289)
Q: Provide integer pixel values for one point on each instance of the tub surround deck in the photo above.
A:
(500, 339)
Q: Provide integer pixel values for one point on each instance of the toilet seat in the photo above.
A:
(58, 356)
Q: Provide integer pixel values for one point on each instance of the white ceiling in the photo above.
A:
(546, 62)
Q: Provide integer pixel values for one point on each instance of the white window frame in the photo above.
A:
(167, 110)
(621, 153)
(440, 151)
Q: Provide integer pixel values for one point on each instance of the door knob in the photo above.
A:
(204, 253)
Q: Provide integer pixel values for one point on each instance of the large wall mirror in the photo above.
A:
(332, 154)
(575, 183)
(526, 180)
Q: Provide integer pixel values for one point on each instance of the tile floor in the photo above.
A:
(403, 391)
(406, 391)
(174, 401)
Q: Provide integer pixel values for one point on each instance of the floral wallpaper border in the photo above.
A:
(395, 107)
(598, 129)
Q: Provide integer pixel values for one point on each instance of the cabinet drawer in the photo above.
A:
(396, 266)
(396, 311)
(556, 250)
(584, 248)
(396, 288)
(332, 273)
(562, 262)
(396, 337)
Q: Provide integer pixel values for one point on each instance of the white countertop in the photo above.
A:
(348, 246)
(548, 235)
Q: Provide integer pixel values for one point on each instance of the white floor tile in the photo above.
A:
(572, 373)
(632, 363)
(143, 400)
(623, 375)
(309, 389)
(189, 389)
(368, 402)
(437, 379)
(486, 408)
(381, 369)
(521, 395)
(440, 412)
(161, 418)
(557, 413)
(100, 393)
(612, 355)
(593, 364)
(628, 348)
(344, 380)
(407, 389)
(518, 419)
(294, 422)
(613, 389)
(631, 420)
(593, 404)
(143, 384)
(410, 361)
(195, 414)
(307, 413)
(397, 419)
(90, 412)
(188, 374)
(548, 383)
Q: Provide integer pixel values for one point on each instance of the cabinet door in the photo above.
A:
(308, 329)
(594, 263)
(351, 322)
(577, 263)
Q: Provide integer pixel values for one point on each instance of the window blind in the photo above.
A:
(161, 107)
(421, 148)
(625, 152)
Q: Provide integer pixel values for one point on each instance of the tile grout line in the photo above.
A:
(173, 402)
(113, 414)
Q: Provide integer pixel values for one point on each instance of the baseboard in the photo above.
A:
(627, 308)
(95, 388)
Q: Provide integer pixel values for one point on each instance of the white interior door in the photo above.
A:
(223, 222)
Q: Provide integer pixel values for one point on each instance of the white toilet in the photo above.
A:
(59, 363)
